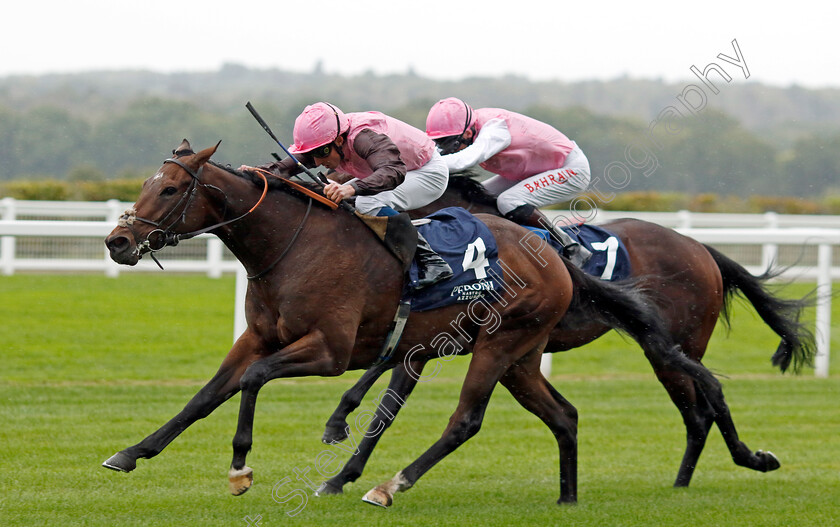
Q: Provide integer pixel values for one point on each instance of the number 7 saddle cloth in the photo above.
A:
(610, 260)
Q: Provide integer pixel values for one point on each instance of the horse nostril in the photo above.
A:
(117, 243)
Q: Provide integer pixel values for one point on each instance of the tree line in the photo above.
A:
(121, 126)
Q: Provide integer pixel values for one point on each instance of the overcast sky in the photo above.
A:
(782, 43)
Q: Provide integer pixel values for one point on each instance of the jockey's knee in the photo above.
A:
(507, 203)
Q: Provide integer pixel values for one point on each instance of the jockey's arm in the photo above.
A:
(384, 159)
(493, 137)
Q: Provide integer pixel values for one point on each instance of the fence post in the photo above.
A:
(770, 251)
(7, 243)
(823, 332)
(545, 365)
(239, 322)
(112, 268)
(683, 219)
(214, 257)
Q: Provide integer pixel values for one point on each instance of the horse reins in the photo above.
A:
(309, 194)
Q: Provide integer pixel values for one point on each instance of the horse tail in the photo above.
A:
(625, 306)
(782, 315)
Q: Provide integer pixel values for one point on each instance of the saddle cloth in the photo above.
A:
(470, 249)
(610, 260)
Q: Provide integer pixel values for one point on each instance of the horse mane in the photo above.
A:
(470, 189)
(274, 183)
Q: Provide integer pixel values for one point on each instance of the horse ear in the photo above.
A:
(203, 156)
(184, 149)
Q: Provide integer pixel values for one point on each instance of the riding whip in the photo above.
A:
(270, 133)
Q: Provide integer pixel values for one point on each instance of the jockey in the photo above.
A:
(534, 164)
(389, 165)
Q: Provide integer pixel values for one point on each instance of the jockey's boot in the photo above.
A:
(432, 268)
(530, 216)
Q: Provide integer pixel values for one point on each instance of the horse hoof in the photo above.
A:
(120, 462)
(378, 497)
(771, 462)
(333, 434)
(239, 481)
(326, 489)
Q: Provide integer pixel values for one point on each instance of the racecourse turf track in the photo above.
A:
(92, 365)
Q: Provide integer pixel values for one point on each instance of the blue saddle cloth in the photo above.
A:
(470, 249)
(610, 260)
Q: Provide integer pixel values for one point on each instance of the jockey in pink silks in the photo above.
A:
(387, 164)
(534, 165)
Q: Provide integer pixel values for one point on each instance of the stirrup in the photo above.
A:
(577, 254)
(430, 277)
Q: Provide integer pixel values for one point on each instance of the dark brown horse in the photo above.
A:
(692, 285)
(324, 292)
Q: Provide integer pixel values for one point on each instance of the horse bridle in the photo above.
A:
(164, 237)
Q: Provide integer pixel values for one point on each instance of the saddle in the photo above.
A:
(397, 233)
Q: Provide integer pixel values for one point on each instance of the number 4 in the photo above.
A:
(474, 259)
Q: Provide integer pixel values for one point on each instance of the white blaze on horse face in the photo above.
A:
(157, 176)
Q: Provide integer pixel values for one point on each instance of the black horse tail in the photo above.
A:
(624, 306)
(782, 315)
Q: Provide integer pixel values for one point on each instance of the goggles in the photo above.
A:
(450, 145)
(321, 151)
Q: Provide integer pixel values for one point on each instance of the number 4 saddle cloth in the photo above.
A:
(470, 249)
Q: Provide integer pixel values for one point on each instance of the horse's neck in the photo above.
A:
(280, 228)
(255, 231)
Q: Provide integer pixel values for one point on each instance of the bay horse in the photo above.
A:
(692, 284)
(324, 305)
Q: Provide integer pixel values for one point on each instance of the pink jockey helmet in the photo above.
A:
(318, 125)
(449, 117)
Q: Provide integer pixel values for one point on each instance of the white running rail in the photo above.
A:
(767, 230)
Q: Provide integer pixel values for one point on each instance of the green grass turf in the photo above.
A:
(92, 365)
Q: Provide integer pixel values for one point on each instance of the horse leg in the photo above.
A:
(399, 389)
(336, 428)
(698, 416)
(697, 413)
(535, 394)
(742, 455)
(309, 355)
(219, 389)
(485, 369)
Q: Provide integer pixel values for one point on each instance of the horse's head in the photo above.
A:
(171, 202)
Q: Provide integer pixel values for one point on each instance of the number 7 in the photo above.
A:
(611, 246)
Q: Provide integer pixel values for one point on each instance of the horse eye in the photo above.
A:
(168, 191)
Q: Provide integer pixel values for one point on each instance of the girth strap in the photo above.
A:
(395, 332)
